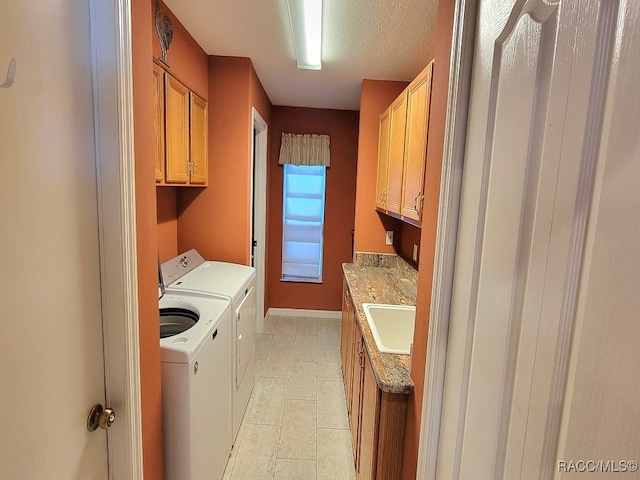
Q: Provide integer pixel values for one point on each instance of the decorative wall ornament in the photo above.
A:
(165, 33)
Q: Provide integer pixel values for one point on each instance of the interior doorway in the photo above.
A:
(258, 208)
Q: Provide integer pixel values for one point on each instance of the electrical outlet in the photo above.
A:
(389, 237)
(415, 252)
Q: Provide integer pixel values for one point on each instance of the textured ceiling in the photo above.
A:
(375, 39)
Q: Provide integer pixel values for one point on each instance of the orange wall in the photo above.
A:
(258, 97)
(141, 21)
(437, 119)
(409, 236)
(216, 220)
(370, 226)
(342, 127)
(166, 202)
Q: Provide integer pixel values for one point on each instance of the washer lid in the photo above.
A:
(181, 348)
(227, 279)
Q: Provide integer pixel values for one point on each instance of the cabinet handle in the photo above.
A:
(415, 202)
(195, 166)
(420, 204)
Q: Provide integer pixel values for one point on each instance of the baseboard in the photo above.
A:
(295, 312)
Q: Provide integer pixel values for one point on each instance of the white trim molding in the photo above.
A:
(115, 164)
(259, 207)
(446, 236)
(295, 312)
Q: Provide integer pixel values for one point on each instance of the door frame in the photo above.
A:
(460, 66)
(259, 207)
(115, 171)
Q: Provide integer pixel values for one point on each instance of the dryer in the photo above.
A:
(195, 355)
(190, 273)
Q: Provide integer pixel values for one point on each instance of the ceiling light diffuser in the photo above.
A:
(305, 17)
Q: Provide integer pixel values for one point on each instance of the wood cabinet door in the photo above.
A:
(176, 131)
(415, 144)
(356, 395)
(158, 121)
(344, 333)
(369, 419)
(383, 159)
(397, 122)
(346, 345)
(199, 146)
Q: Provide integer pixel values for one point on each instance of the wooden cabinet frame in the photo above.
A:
(181, 128)
(158, 121)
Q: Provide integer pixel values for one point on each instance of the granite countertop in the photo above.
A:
(380, 278)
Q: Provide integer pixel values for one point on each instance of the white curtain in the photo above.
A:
(304, 150)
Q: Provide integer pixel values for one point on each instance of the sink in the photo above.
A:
(392, 326)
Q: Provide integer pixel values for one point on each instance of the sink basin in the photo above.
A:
(392, 326)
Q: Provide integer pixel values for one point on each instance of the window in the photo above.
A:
(303, 223)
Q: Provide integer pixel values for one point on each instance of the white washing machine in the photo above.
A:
(190, 273)
(195, 348)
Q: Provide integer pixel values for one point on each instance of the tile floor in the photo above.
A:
(295, 426)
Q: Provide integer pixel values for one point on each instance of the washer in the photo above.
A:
(191, 273)
(195, 349)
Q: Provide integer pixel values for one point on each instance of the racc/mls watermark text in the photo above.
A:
(597, 466)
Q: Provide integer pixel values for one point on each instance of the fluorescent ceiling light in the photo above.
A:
(305, 17)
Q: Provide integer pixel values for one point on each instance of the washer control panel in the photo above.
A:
(179, 266)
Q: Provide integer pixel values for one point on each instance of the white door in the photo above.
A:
(50, 301)
(542, 360)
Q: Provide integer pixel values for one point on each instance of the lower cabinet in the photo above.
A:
(376, 418)
(356, 396)
(369, 410)
(346, 342)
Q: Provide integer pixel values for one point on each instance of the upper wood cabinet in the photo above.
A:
(158, 120)
(397, 123)
(415, 144)
(176, 131)
(181, 132)
(199, 145)
(383, 159)
(402, 148)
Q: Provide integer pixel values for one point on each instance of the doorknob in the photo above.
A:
(100, 417)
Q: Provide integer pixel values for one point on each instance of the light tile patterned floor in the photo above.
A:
(296, 425)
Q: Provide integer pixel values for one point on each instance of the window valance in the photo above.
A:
(304, 150)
